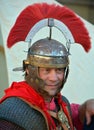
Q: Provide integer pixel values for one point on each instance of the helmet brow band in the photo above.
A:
(43, 61)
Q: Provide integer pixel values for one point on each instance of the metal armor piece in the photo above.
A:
(50, 22)
(48, 53)
(25, 116)
(63, 118)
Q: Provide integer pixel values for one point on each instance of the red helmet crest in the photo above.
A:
(34, 13)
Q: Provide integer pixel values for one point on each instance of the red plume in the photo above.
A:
(34, 13)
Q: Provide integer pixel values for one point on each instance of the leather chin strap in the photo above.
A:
(66, 73)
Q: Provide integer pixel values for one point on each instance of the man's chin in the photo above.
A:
(52, 93)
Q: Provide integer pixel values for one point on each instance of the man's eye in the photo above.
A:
(47, 70)
(60, 70)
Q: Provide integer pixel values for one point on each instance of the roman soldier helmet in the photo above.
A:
(48, 52)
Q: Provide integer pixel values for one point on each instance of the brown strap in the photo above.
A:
(70, 119)
(54, 114)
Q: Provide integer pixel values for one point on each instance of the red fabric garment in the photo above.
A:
(75, 116)
(23, 90)
(51, 106)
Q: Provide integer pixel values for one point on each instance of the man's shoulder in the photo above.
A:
(65, 100)
(19, 112)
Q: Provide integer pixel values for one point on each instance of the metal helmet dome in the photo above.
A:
(48, 53)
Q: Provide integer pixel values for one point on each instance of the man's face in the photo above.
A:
(53, 78)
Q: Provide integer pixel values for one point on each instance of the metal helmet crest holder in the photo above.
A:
(50, 22)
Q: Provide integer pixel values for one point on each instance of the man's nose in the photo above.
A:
(53, 75)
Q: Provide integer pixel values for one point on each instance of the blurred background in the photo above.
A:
(84, 8)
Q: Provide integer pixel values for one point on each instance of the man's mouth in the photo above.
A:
(55, 84)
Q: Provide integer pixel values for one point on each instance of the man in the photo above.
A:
(37, 103)
(41, 89)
